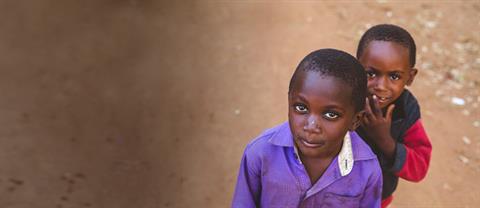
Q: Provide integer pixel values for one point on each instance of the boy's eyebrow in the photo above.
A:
(332, 106)
(302, 98)
(336, 107)
(371, 68)
(394, 71)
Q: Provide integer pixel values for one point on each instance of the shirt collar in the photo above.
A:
(282, 136)
(399, 110)
(345, 157)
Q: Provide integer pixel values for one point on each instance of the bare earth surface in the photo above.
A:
(145, 104)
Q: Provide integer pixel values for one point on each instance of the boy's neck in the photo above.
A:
(326, 156)
(384, 109)
(317, 166)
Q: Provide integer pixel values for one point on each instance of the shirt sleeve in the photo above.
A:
(412, 157)
(248, 188)
(372, 196)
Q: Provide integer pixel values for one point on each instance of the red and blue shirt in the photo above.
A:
(413, 148)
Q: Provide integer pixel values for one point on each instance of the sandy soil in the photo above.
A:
(130, 103)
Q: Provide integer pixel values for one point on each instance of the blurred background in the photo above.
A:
(146, 104)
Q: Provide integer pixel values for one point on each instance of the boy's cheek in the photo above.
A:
(296, 123)
(291, 119)
(370, 89)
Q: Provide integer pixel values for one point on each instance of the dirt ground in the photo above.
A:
(145, 104)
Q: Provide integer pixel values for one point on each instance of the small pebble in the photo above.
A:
(476, 123)
(424, 49)
(458, 101)
(389, 14)
(429, 113)
(431, 24)
(464, 159)
(466, 140)
(16, 181)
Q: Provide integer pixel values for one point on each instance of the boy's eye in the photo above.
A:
(301, 108)
(370, 74)
(395, 77)
(331, 115)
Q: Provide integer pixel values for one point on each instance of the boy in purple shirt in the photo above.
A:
(315, 159)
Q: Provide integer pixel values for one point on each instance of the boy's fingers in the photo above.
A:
(365, 121)
(390, 112)
(364, 116)
(368, 109)
(376, 107)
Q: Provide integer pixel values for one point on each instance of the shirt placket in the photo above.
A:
(302, 177)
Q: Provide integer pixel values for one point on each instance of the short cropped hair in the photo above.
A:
(338, 64)
(392, 33)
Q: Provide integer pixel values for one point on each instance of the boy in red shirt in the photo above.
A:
(392, 125)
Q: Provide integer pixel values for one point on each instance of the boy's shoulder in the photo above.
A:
(365, 159)
(409, 99)
(360, 149)
(407, 108)
(279, 135)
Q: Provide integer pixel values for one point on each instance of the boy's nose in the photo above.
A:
(312, 125)
(380, 83)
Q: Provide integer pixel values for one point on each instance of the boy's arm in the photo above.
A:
(408, 160)
(372, 196)
(412, 158)
(248, 188)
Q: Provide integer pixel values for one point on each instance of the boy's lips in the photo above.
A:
(381, 99)
(311, 144)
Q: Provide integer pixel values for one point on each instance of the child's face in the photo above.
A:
(388, 70)
(320, 113)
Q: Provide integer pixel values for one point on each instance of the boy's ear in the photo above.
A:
(413, 72)
(356, 120)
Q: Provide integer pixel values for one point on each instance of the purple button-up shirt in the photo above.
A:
(272, 175)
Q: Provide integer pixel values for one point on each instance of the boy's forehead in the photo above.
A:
(303, 76)
(387, 52)
(322, 90)
(311, 79)
(379, 46)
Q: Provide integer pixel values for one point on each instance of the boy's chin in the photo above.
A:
(310, 153)
(384, 106)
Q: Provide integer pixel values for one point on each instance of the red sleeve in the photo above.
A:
(413, 155)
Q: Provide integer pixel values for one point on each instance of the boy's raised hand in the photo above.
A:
(377, 126)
